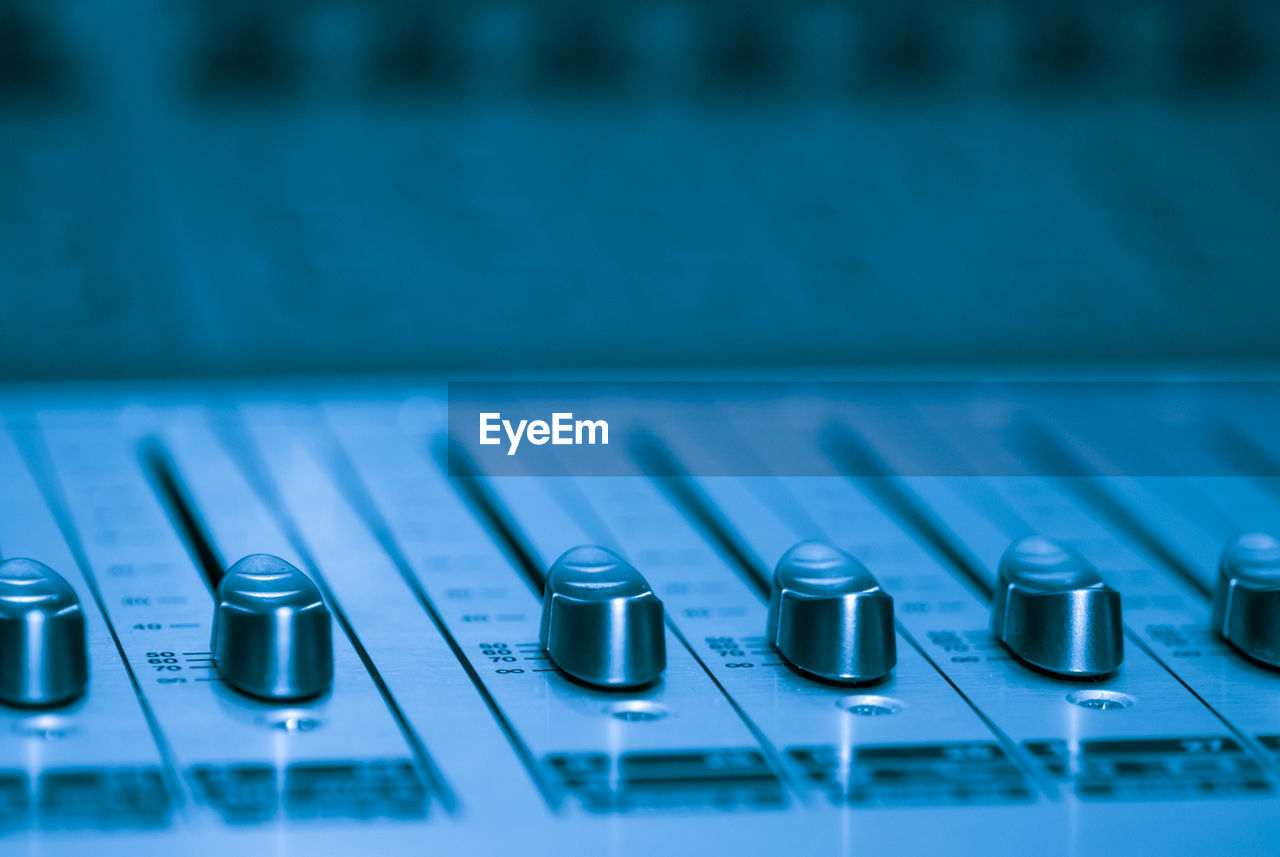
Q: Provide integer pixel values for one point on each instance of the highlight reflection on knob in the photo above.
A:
(601, 622)
(43, 660)
(1246, 604)
(829, 617)
(272, 634)
(1053, 611)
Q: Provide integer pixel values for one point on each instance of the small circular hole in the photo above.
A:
(637, 712)
(47, 727)
(868, 705)
(291, 721)
(1100, 700)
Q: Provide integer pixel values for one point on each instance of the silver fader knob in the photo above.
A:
(829, 617)
(1246, 604)
(272, 634)
(601, 622)
(42, 641)
(1053, 611)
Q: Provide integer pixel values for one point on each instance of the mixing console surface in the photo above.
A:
(276, 620)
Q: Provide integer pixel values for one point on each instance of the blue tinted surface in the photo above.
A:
(245, 187)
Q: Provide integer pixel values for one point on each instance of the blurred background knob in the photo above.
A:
(1246, 604)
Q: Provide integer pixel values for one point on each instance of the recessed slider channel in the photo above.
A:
(602, 624)
(466, 479)
(43, 660)
(829, 617)
(168, 486)
(601, 621)
(272, 633)
(1054, 612)
(1246, 603)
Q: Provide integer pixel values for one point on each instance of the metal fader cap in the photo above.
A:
(272, 633)
(1246, 603)
(1054, 612)
(829, 617)
(601, 622)
(43, 659)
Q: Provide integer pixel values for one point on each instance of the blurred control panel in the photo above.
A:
(293, 621)
(275, 186)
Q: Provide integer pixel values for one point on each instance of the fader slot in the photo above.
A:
(537, 508)
(398, 626)
(471, 485)
(1164, 617)
(1195, 507)
(835, 738)
(676, 742)
(654, 456)
(368, 751)
(93, 761)
(248, 761)
(1199, 516)
(1062, 726)
(160, 470)
(1074, 469)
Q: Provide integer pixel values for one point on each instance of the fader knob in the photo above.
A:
(42, 639)
(1246, 604)
(1053, 611)
(601, 622)
(829, 617)
(272, 633)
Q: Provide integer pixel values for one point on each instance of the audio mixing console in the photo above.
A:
(321, 627)
(343, 618)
